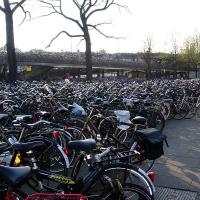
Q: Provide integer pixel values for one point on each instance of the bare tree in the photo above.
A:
(148, 56)
(87, 10)
(9, 9)
(174, 55)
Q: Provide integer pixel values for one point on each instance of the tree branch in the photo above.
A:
(18, 5)
(45, 15)
(2, 9)
(51, 5)
(81, 40)
(61, 12)
(100, 24)
(95, 2)
(107, 36)
(73, 20)
(14, 3)
(77, 4)
(25, 15)
(83, 6)
(63, 32)
(90, 5)
(108, 3)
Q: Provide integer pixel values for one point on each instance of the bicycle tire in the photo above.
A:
(182, 112)
(52, 147)
(129, 141)
(172, 112)
(124, 136)
(198, 112)
(141, 162)
(138, 193)
(125, 173)
(155, 120)
(192, 112)
(45, 162)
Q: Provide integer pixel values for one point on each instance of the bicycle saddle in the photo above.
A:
(3, 116)
(43, 114)
(14, 175)
(23, 118)
(86, 145)
(27, 146)
(33, 125)
(139, 120)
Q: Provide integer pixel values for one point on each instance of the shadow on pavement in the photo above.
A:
(180, 166)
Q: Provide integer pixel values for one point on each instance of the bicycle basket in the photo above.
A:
(56, 197)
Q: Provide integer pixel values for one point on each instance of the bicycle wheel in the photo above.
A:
(141, 162)
(125, 137)
(64, 137)
(130, 192)
(198, 112)
(172, 112)
(192, 112)
(181, 111)
(107, 126)
(125, 173)
(146, 165)
(155, 120)
(51, 159)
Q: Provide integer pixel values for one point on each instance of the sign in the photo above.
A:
(29, 68)
(20, 69)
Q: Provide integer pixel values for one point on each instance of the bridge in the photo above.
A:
(45, 63)
(119, 61)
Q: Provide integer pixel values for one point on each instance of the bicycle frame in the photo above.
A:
(84, 185)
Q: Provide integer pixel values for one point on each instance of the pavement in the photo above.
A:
(178, 170)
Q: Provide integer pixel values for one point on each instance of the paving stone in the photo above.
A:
(174, 194)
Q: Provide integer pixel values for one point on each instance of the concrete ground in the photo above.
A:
(180, 166)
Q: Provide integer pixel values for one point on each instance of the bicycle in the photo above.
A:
(98, 174)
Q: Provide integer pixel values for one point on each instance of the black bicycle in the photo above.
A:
(106, 178)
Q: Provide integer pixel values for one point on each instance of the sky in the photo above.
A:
(162, 20)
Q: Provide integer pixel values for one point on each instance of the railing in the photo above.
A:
(110, 60)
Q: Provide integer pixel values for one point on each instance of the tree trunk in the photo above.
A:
(188, 75)
(88, 58)
(103, 73)
(98, 74)
(196, 71)
(148, 72)
(11, 56)
(1, 72)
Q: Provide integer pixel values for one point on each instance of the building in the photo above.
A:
(136, 74)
